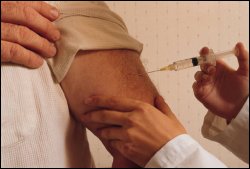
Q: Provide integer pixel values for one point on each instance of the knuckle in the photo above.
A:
(39, 5)
(129, 121)
(112, 101)
(22, 33)
(128, 149)
(6, 30)
(19, 3)
(129, 134)
(94, 100)
(143, 108)
(29, 14)
(3, 9)
(14, 50)
(8, 9)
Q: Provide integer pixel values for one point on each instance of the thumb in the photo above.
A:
(161, 105)
(243, 59)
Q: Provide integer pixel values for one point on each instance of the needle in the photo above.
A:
(153, 71)
(135, 74)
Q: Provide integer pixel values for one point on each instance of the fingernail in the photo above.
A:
(237, 50)
(40, 62)
(54, 13)
(52, 50)
(37, 63)
(57, 35)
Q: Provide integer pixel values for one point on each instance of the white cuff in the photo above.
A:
(235, 136)
(183, 152)
(181, 146)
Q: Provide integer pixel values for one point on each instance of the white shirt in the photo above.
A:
(184, 151)
(36, 127)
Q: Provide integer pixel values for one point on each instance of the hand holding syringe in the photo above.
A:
(195, 61)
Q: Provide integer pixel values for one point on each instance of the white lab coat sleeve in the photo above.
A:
(183, 151)
(234, 136)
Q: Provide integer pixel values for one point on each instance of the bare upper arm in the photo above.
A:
(106, 72)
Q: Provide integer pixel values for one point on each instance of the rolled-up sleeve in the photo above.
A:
(88, 26)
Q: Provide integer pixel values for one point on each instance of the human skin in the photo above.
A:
(135, 128)
(109, 72)
(221, 89)
(27, 32)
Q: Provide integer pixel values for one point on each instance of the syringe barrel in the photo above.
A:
(195, 61)
(183, 64)
(212, 57)
(224, 54)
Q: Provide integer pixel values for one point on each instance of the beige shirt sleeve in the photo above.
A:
(235, 136)
(88, 26)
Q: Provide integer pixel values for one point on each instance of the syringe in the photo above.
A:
(195, 61)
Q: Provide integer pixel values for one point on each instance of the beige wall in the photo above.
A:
(177, 30)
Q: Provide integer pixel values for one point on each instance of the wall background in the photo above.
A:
(177, 30)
